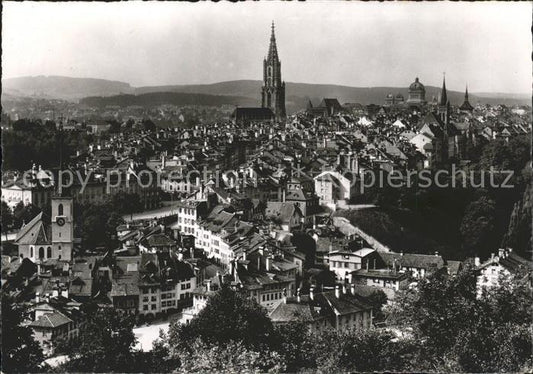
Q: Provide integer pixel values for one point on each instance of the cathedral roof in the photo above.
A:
(466, 104)
(34, 232)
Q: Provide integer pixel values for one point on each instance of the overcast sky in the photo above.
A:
(487, 45)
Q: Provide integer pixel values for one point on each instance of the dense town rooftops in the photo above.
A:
(380, 273)
(412, 260)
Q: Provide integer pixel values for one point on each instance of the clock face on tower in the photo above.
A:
(60, 221)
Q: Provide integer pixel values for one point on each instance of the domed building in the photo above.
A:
(417, 93)
(391, 100)
(399, 99)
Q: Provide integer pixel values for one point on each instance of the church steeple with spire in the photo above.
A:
(443, 102)
(273, 90)
(466, 106)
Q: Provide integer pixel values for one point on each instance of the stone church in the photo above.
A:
(40, 242)
(273, 90)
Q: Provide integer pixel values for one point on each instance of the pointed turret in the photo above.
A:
(272, 49)
(466, 106)
(443, 108)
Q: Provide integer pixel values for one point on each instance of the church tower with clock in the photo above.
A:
(273, 90)
(62, 227)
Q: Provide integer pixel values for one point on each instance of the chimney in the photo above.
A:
(501, 253)
(268, 263)
(344, 288)
(298, 299)
(208, 284)
(436, 253)
(401, 253)
(37, 298)
(476, 261)
(352, 289)
(337, 291)
(312, 293)
(180, 256)
(244, 256)
(492, 256)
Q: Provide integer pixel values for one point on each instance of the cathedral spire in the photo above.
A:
(273, 90)
(273, 49)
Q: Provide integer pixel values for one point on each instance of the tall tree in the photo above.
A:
(105, 343)
(477, 226)
(232, 357)
(460, 330)
(20, 352)
(7, 218)
(228, 316)
(24, 213)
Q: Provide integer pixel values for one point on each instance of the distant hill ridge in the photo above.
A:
(68, 88)
(174, 98)
(241, 90)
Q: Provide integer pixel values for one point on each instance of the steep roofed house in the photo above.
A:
(125, 284)
(340, 309)
(327, 107)
(157, 242)
(417, 265)
(52, 323)
(303, 196)
(189, 213)
(343, 261)
(165, 283)
(286, 214)
(506, 264)
(264, 285)
(35, 192)
(332, 186)
(389, 281)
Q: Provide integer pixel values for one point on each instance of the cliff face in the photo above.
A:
(519, 233)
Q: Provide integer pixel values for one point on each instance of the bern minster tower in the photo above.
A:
(273, 91)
